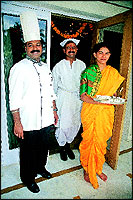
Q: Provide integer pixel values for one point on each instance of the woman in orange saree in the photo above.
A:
(97, 118)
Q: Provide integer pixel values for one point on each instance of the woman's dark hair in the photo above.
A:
(100, 45)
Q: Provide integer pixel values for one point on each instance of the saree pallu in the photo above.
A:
(97, 121)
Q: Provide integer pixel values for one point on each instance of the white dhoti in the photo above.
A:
(69, 108)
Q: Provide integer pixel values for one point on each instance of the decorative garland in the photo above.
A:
(67, 35)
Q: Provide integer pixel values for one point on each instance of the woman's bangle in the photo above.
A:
(55, 109)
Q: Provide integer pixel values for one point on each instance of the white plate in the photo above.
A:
(109, 99)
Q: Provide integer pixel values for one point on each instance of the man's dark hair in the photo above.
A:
(68, 43)
(42, 42)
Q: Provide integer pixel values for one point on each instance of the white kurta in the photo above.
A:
(66, 82)
(33, 94)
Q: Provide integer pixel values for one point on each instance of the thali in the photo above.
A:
(110, 99)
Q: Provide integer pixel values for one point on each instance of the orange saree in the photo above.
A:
(97, 121)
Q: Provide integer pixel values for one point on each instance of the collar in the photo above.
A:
(34, 61)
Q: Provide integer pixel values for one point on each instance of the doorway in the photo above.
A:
(122, 51)
(116, 44)
(63, 27)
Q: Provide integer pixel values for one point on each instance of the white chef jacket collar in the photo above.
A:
(34, 61)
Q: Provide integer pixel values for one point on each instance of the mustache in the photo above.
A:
(35, 51)
(71, 52)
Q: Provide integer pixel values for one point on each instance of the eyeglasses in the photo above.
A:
(68, 48)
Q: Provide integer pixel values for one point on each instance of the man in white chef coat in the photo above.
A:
(32, 103)
(66, 82)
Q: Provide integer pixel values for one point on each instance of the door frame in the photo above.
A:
(112, 154)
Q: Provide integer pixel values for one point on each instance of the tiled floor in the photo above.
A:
(68, 183)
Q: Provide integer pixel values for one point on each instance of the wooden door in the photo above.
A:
(112, 154)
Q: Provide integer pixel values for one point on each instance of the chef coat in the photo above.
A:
(31, 91)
